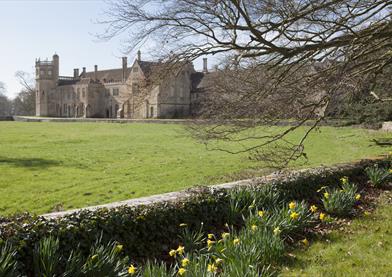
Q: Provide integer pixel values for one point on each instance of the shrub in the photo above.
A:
(340, 202)
(377, 175)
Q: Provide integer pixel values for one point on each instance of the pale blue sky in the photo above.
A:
(30, 29)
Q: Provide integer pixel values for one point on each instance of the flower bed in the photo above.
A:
(151, 231)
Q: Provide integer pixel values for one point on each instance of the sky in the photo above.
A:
(31, 29)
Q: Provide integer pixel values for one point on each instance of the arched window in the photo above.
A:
(151, 111)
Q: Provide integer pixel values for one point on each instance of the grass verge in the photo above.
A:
(361, 248)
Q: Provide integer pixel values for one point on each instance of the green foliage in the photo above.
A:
(250, 199)
(377, 175)
(286, 221)
(8, 263)
(105, 260)
(340, 202)
(46, 257)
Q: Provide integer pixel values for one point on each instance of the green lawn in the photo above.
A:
(362, 249)
(43, 165)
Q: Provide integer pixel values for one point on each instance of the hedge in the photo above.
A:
(149, 231)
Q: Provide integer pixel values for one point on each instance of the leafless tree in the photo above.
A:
(24, 102)
(5, 103)
(282, 59)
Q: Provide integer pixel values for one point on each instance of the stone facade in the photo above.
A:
(127, 92)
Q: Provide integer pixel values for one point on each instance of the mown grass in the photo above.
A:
(361, 249)
(70, 165)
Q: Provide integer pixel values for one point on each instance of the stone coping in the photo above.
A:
(277, 177)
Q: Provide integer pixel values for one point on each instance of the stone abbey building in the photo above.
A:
(126, 92)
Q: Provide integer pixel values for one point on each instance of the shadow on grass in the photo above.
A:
(33, 163)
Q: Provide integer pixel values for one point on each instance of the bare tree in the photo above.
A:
(24, 102)
(283, 59)
(5, 103)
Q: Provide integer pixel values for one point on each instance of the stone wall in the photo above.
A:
(283, 178)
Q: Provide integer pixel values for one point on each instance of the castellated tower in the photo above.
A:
(46, 75)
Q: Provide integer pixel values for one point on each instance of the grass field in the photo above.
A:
(362, 249)
(70, 165)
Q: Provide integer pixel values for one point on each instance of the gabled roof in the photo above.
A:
(109, 75)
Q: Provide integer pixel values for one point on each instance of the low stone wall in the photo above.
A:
(6, 118)
(284, 178)
(387, 126)
(102, 120)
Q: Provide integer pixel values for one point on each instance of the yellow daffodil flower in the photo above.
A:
(344, 180)
(119, 248)
(326, 195)
(322, 216)
(211, 236)
(210, 243)
(253, 227)
(313, 208)
(212, 268)
(185, 262)
(261, 213)
(305, 242)
(277, 231)
(236, 241)
(357, 197)
(294, 215)
(218, 261)
(292, 205)
(180, 249)
(225, 235)
(172, 253)
(132, 270)
(181, 271)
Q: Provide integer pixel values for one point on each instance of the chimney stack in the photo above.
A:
(139, 55)
(124, 68)
(96, 72)
(205, 65)
(84, 72)
(76, 72)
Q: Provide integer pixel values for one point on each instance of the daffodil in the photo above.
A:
(253, 227)
(326, 195)
(357, 197)
(180, 249)
(344, 180)
(185, 262)
(225, 235)
(277, 231)
(181, 271)
(292, 205)
(261, 213)
(132, 270)
(218, 261)
(210, 243)
(390, 170)
(211, 236)
(212, 268)
(322, 216)
(94, 257)
(172, 253)
(294, 215)
(119, 248)
(236, 241)
(305, 242)
(313, 208)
